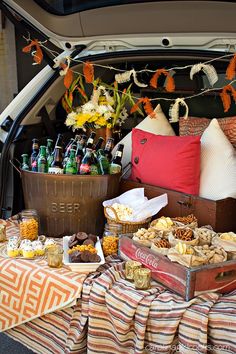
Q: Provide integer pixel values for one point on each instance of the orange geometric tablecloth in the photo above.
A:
(30, 289)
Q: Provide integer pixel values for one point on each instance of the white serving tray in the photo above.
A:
(82, 267)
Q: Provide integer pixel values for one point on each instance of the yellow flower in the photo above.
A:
(109, 125)
(101, 121)
(93, 117)
(81, 119)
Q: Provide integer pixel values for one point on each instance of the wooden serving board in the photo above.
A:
(187, 282)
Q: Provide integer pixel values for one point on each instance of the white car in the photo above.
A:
(123, 35)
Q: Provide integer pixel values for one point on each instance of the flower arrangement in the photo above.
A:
(106, 106)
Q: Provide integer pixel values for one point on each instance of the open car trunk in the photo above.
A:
(46, 117)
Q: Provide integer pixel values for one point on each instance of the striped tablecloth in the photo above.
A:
(112, 317)
(30, 289)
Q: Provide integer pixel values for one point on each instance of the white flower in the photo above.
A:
(88, 107)
(71, 118)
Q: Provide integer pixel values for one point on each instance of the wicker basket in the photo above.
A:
(127, 226)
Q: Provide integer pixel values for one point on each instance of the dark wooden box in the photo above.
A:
(220, 214)
(187, 282)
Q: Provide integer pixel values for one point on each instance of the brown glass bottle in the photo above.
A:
(116, 166)
(108, 148)
(56, 165)
(90, 141)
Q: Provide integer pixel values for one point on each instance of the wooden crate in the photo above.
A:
(220, 214)
(187, 282)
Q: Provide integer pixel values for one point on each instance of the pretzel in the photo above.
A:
(184, 234)
(162, 244)
(186, 219)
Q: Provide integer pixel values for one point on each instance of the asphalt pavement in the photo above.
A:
(10, 346)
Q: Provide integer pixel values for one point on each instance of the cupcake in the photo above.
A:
(49, 242)
(14, 240)
(27, 251)
(38, 248)
(12, 250)
(23, 243)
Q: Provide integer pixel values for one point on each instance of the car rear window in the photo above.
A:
(67, 7)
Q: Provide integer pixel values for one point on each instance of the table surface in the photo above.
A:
(30, 288)
(111, 316)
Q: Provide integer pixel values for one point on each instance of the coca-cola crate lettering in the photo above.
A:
(187, 282)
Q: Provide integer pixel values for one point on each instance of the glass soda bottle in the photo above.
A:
(56, 165)
(71, 167)
(103, 163)
(85, 165)
(42, 160)
(79, 151)
(108, 148)
(34, 155)
(90, 141)
(116, 166)
(99, 143)
(25, 163)
(49, 151)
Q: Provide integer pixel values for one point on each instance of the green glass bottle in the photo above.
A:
(71, 166)
(42, 160)
(49, 150)
(25, 163)
(103, 163)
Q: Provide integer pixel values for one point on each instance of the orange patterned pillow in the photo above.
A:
(196, 126)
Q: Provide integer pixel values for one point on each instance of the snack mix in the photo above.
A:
(195, 246)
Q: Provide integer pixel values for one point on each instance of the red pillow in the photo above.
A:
(171, 162)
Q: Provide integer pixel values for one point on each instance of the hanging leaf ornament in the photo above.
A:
(208, 70)
(226, 98)
(231, 69)
(123, 77)
(174, 111)
(126, 77)
(67, 73)
(170, 84)
(37, 53)
(146, 105)
(88, 70)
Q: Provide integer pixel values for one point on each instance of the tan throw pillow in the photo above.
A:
(158, 125)
(196, 126)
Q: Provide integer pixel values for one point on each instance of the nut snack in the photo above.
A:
(145, 236)
(205, 235)
(213, 254)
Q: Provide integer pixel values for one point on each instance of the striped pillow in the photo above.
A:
(196, 126)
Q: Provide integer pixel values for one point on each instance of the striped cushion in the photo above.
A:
(196, 126)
